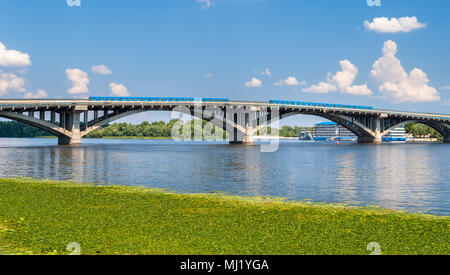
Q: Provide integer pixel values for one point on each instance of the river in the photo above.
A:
(408, 177)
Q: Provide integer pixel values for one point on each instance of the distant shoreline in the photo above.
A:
(162, 138)
(409, 140)
(125, 137)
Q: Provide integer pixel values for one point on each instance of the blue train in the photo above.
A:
(310, 104)
(156, 99)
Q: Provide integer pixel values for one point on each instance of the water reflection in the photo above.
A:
(346, 178)
(406, 177)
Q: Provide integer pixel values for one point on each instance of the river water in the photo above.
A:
(409, 177)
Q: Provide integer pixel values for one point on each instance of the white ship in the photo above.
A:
(396, 135)
(331, 131)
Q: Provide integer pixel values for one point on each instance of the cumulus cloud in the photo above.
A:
(80, 81)
(118, 89)
(342, 81)
(321, 88)
(101, 69)
(394, 25)
(397, 83)
(205, 3)
(10, 82)
(208, 75)
(254, 83)
(39, 94)
(266, 72)
(290, 81)
(13, 58)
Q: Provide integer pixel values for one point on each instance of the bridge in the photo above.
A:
(70, 120)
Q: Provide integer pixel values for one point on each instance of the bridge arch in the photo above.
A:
(441, 128)
(222, 123)
(356, 127)
(94, 125)
(51, 128)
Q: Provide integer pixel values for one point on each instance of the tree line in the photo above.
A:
(162, 129)
(12, 129)
(422, 131)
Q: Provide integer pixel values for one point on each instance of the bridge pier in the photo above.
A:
(71, 122)
(446, 139)
(370, 140)
(376, 137)
(242, 118)
(247, 140)
(65, 140)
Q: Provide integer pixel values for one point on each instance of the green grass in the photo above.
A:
(42, 217)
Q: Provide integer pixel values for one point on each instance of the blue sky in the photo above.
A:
(190, 48)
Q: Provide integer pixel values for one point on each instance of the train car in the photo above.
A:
(156, 99)
(215, 100)
(324, 105)
(143, 99)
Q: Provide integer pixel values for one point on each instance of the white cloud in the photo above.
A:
(13, 58)
(254, 83)
(208, 75)
(446, 103)
(266, 72)
(445, 88)
(10, 82)
(290, 81)
(118, 89)
(342, 81)
(101, 69)
(205, 3)
(39, 94)
(394, 25)
(80, 81)
(321, 88)
(397, 83)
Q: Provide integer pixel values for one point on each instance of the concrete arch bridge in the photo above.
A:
(70, 120)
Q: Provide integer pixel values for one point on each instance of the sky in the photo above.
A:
(386, 54)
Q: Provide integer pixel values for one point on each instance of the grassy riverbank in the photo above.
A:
(42, 217)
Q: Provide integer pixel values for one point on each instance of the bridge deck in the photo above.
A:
(8, 104)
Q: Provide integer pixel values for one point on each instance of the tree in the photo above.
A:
(422, 131)
(16, 129)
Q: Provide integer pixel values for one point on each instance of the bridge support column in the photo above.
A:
(246, 139)
(447, 139)
(53, 117)
(242, 117)
(377, 138)
(370, 140)
(72, 123)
